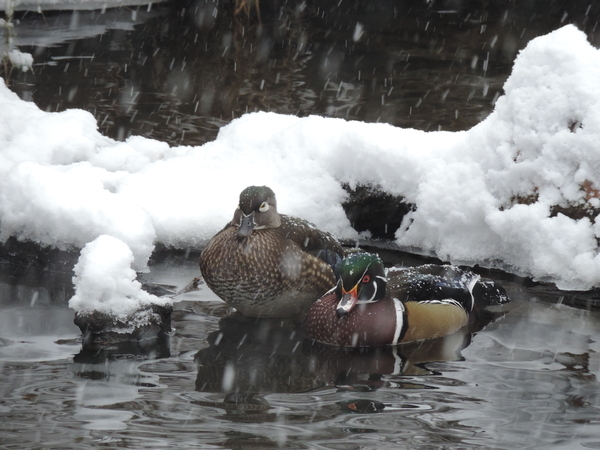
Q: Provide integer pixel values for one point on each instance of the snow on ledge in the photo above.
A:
(493, 195)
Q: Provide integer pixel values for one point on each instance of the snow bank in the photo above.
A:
(490, 195)
(535, 155)
(53, 186)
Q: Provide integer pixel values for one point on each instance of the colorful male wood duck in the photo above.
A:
(369, 307)
(267, 264)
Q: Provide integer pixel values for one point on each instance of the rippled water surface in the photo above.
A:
(524, 377)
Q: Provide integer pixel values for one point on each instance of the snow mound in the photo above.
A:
(106, 283)
(503, 191)
(501, 194)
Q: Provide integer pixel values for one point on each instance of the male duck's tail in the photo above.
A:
(489, 293)
(448, 282)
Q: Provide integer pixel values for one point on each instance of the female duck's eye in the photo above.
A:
(264, 207)
(366, 279)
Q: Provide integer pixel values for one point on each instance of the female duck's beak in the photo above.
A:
(246, 226)
(348, 301)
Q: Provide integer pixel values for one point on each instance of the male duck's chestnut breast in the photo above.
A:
(367, 326)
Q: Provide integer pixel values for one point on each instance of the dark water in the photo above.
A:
(179, 70)
(525, 378)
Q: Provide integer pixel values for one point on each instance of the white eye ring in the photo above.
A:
(264, 207)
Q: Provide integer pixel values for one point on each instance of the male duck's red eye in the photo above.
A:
(366, 279)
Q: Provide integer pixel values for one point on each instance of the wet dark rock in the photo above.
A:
(27, 263)
(152, 348)
(100, 330)
(369, 208)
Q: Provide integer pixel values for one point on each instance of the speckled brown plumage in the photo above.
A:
(361, 328)
(274, 271)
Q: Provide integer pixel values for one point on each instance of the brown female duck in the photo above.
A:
(267, 264)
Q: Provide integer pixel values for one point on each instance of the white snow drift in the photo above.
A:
(484, 196)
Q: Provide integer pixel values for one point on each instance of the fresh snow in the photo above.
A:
(23, 61)
(64, 184)
(105, 281)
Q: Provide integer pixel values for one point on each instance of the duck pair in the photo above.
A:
(267, 264)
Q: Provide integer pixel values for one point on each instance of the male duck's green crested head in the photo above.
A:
(361, 281)
(257, 210)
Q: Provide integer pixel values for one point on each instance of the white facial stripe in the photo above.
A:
(361, 277)
(366, 302)
(399, 319)
(374, 292)
(363, 274)
(471, 285)
(330, 291)
(371, 300)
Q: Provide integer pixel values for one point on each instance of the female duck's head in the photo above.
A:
(257, 210)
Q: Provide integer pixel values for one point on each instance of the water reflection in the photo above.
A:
(158, 346)
(545, 370)
(530, 372)
(37, 325)
(102, 390)
(33, 333)
(247, 359)
(180, 70)
(248, 356)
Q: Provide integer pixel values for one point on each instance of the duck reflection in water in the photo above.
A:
(248, 358)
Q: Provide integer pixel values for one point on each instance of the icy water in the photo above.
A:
(525, 377)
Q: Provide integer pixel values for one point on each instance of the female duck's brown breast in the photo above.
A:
(239, 270)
